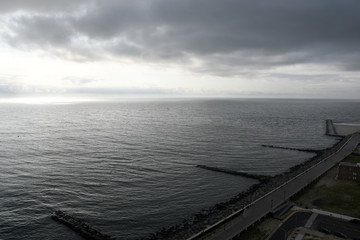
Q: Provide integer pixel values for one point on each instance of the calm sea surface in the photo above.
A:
(128, 168)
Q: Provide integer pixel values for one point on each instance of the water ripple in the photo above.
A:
(129, 168)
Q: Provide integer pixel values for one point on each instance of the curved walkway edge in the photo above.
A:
(240, 220)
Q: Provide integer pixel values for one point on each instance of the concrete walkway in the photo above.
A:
(244, 218)
(299, 234)
(311, 220)
(331, 214)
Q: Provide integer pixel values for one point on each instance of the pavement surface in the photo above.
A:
(298, 219)
(262, 206)
(316, 222)
(348, 228)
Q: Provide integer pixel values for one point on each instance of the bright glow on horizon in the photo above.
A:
(46, 100)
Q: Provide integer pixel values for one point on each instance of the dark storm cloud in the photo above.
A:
(227, 37)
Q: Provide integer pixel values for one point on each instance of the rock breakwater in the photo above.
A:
(80, 227)
(209, 216)
(233, 172)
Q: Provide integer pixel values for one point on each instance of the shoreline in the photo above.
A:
(208, 216)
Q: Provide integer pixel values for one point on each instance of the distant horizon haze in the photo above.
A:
(79, 99)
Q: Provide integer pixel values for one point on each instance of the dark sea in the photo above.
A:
(129, 168)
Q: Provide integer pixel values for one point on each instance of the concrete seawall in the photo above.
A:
(222, 215)
(341, 129)
(80, 227)
(295, 149)
(330, 129)
(232, 225)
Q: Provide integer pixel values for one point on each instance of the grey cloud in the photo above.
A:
(12, 85)
(7, 85)
(226, 36)
(78, 81)
(39, 5)
(42, 31)
(108, 19)
(5, 90)
(123, 91)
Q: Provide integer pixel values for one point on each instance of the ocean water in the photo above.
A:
(128, 168)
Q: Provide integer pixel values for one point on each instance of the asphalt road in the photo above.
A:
(262, 206)
(298, 219)
(351, 230)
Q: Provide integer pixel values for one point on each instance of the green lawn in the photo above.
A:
(342, 198)
(327, 194)
(259, 231)
(252, 233)
(352, 158)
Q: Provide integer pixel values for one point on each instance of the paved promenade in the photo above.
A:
(242, 219)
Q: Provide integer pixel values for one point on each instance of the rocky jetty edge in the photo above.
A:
(208, 216)
(80, 227)
(233, 172)
(316, 151)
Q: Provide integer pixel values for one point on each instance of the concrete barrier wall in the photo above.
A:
(343, 129)
(320, 160)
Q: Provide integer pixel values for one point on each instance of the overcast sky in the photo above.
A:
(180, 48)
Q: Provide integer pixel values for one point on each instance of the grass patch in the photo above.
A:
(342, 198)
(252, 233)
(259, 231)
(332, 195)
(311, 237)
(352, 158)
(306, 190)
(357, 150)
